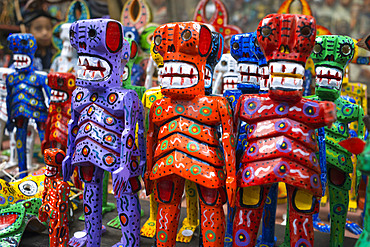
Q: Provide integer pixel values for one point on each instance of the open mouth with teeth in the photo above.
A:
(263, 77)
(58, 96)
(178, 75)
(93, 68)
(21, 61)
(230, 81)
(286, 75)
(329, 77)
(207, 78)
(248, 73)
(51, 171)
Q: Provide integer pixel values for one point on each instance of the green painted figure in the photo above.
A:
(331, 54)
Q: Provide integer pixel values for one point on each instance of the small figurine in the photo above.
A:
(331, 54)
(55, 199)
(56, 134)
(102, 129)
(182, 140)
(219, 20)
(281, 140)
(67, 60)
(226, 76)
(16, 217)
(25, 98)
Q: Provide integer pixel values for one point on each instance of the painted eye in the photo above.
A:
(186, 35)
(60, 82)
(157, 40)
(317, 48)
(92, 33)
(235, 46)
(71, 33)
(266, 31)
(346, 49)
(130, 35)
(306, 31)
(24, 42)
(71, 83)
(155, 50)
(223, 63)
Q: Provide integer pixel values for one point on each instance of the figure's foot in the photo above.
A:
(79, 239)
(186, 232)
(228, 240)
(324, 200)
(321, 226)
(115, 223)
(352, 206)
(148, 230)
(363, 241)
(353, 227)
(108, 208)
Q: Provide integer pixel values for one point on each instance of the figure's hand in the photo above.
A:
(231, 190)
(67, 168)
(148, 183)
(10, 124)
(330, 113)
(43, 145)
(120, 179)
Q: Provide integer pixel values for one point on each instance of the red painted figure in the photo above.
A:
(183, 141)
(55, 199)
(281, 133)
(56, 131)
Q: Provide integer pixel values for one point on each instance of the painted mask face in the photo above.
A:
(263, 69)
(213, 58)
(23, 46)
(126, 78)
(146, 37)
(242, 50)
(131, 33)
(331, 54)
(103, 52)
(184, 47)
(158, 59)
(287, 41)
(67, 50)
(62, 86)
(53, 159)
(229, 67)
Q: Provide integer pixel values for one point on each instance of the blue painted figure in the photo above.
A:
(102, 129)
(25, 98)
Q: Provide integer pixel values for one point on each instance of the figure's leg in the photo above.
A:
(339, 183)
(149, 228)
(212, 216)
(302, 204)
(92, 176)
(352, 206)
(58, 232)
(249, 206)
(13, 159)
(282, 193)
(363, 241)
(21, 142)
(168, 194)
(229, 225)
(128, 208)
(30, 143)
(191, 222)
(269, 215)
(41, 130)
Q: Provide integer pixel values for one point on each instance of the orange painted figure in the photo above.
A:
(183, 141)
(55, 199)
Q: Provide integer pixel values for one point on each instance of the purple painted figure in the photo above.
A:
(102, 129)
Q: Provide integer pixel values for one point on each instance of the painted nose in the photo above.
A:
(284, 49)
(171, 48)
(329, 58)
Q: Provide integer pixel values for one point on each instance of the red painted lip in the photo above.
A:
(7, 220)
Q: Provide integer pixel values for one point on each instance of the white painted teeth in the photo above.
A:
(178, 75)
(58, 96)
(125, 73)
(286, 68)
(248, 73)
(51, 171)
(207, 78)
(21, 61)
(286, 82)
(92, 68)
(329, 77)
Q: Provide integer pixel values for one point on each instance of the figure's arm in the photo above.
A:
(45, 86)
(151, 141)
(43, 216)
(322, 158)
(72, 133)
(149, 73)
(361, 125)
(141, 137)
(45, 143)
(229, 143)
(131, 113)
(237, 124)
(63, 195)
(10, 124)
(328, 112)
